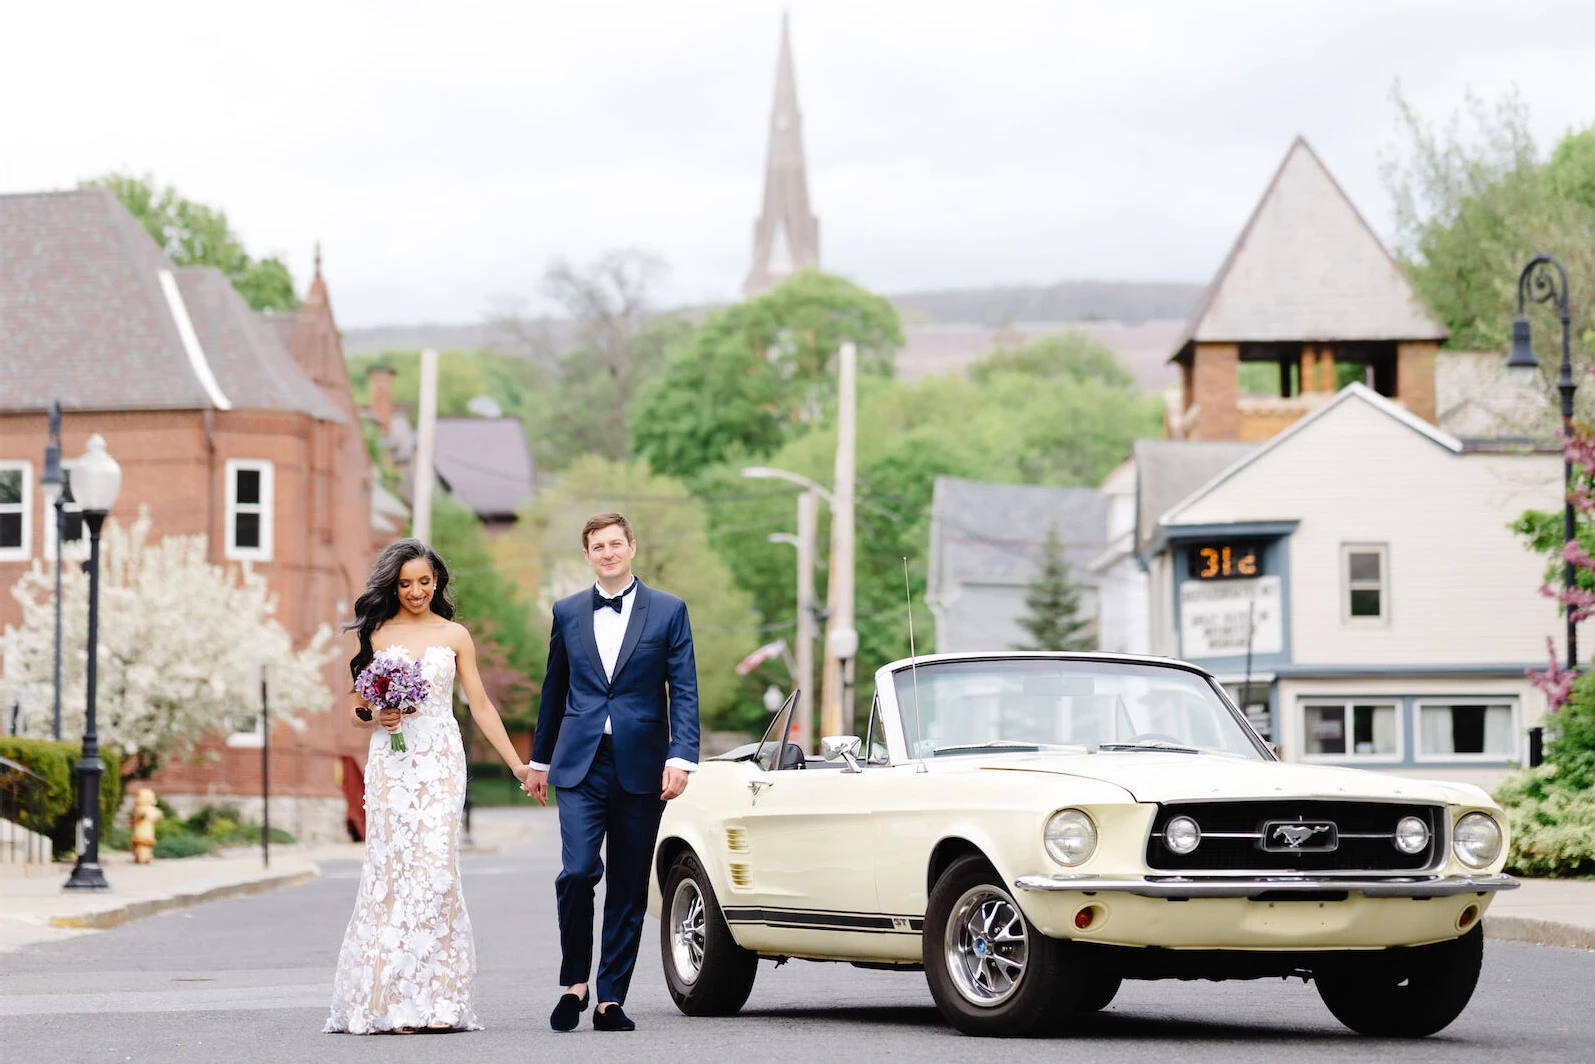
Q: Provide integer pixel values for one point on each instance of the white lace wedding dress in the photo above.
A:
(408, 958)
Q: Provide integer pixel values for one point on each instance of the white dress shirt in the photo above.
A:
(609, 632)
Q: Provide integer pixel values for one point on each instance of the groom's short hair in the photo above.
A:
(600, 521)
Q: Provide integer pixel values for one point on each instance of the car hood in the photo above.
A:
(1163, 777)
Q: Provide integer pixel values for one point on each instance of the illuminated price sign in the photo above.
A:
(1225, 561)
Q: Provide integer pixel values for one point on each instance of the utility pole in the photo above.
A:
(422, 464)
(807, 528)
(841, 638)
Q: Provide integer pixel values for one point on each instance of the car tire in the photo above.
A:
(1406, 992)
(1097, 992)
(706, 972)
(1011, 984)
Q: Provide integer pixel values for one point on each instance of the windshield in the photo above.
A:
(1035, 703)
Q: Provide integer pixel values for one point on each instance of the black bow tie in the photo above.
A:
(599, 601)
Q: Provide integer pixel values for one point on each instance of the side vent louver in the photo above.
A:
(741, 877)
(737, 840)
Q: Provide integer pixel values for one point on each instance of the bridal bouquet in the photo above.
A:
(392, 683)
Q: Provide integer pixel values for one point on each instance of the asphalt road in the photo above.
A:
(249, 980)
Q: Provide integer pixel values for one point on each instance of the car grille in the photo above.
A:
(1361, 840)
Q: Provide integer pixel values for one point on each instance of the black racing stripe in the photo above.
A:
(824, 920)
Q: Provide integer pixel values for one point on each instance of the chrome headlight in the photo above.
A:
(1181, 835)
(1476, 840)
(1070, 837)
(1412, 835)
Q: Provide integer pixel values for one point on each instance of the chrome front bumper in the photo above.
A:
(1251, 886)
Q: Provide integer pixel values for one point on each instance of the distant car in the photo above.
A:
(1032, 829)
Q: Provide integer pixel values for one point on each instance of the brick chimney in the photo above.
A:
(379, 380)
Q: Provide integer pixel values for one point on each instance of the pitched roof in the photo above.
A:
(1308, 267)
(1167, 471)
(485, 463)
(993, 533)
(97, 316)
(1355, 392)
(786, 238)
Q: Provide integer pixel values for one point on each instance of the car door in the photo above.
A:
(808, 835)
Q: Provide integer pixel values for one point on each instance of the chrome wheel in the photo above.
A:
(687, 933)
(986, 946)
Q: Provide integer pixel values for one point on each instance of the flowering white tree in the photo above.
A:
(181, 645)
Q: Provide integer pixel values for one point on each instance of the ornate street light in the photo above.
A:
(96, 479)
(52, 484)
(1539, 283)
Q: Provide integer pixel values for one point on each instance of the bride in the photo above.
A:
(408, 959)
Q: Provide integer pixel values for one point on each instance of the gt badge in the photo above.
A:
(1298, 836)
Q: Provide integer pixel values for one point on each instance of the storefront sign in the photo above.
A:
(1218, 618)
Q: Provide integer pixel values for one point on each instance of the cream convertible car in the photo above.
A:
(1043, 826)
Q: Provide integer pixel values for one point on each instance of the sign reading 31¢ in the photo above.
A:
(1217, 617)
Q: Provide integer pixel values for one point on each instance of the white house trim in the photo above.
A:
(1355, 390)
(185, 330)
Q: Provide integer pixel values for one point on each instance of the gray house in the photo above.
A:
(985, 548)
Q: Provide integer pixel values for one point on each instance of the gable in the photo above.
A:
(1308, 268)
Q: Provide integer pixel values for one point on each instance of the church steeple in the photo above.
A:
(786, 238)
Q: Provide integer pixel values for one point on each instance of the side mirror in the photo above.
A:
(843, 747)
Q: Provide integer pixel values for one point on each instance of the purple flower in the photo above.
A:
(392, 683)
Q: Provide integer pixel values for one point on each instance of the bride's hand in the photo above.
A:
(389, 719)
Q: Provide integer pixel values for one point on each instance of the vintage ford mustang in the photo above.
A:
(1032, 829)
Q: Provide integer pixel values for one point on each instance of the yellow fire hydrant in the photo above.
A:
(145, 816)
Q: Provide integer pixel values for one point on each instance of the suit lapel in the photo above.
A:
(584, 621)
(639, 615)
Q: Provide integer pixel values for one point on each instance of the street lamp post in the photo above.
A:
(96, 480)
(1541, 276)
(52, 484)
(808, 505)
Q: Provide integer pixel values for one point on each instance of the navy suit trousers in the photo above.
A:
(599, 806)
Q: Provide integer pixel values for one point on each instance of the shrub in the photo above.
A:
(1552, 825)
(183, 845)
(57, 762)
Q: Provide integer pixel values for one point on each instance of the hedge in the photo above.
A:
(56, 762)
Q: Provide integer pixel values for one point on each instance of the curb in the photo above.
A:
(1541, 932)
(99, 920)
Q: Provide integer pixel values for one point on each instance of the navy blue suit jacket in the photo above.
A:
(652, 703)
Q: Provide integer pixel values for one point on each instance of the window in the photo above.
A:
(249, 510)
(71, 520)
(16, 518)
(1483, 729)
(244, 729)
(1351, 730)
(1364, 571)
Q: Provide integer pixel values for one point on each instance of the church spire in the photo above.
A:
(786, 238)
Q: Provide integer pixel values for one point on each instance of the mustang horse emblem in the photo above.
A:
(1296, 834)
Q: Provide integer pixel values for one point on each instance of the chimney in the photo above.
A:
(379, 380)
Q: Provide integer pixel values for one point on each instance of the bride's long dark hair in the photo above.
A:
(379, 602)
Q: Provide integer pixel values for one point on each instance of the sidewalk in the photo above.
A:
(1554, 912)
(34, 908)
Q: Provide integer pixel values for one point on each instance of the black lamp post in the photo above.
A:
(95, 482)
(52, 484)
(1539, 282)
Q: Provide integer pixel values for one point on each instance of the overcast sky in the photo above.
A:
(444, 153)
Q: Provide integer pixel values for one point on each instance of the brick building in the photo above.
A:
(227, 423)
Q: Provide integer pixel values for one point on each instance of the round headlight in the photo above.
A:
(1412, 835)
(1181, 835)
(1476, 840)
(1070, 837)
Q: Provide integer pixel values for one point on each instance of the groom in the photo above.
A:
(617, 734)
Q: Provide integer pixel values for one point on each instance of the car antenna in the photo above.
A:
(913, 670)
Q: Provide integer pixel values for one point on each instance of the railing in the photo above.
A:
(23, 833)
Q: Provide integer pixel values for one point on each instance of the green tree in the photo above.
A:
(1472, 210)
(1075, 355)
(673, 554)
(760, 373)
(511, 647)
(192, 234)
(1054, 620)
